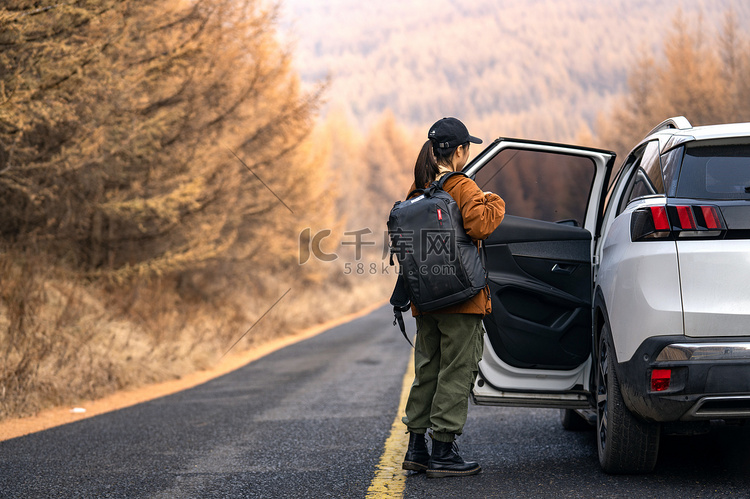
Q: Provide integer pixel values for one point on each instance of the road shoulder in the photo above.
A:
(18, 427)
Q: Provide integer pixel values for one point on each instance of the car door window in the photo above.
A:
(646, 179)
(544, 186)
(670, 163)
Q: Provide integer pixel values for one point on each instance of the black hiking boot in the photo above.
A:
(445, 461)
(417, 456)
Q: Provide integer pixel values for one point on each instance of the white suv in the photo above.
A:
(622, 296)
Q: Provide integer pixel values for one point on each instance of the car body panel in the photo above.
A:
(643, 280)
(715, 287)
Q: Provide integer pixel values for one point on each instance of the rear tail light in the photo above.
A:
(683, 221)
(660, 379)
(650, 223)
(686, 217)
(661, 220)
(712, 218)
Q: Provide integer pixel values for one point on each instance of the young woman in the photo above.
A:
(449, 341)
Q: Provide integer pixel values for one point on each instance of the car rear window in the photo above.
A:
(715, 172)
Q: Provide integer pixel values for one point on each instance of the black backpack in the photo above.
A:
(439, 264)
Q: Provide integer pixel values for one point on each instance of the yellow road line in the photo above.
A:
(390, 479)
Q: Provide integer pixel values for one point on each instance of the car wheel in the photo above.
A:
(572, 421)
(625, 443)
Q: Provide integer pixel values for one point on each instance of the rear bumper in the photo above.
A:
(710, 379)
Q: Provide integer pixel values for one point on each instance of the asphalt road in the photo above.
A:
(311, 421)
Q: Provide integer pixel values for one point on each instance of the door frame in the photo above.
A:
(501, 384)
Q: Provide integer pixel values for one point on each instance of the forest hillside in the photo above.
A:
(540, 69)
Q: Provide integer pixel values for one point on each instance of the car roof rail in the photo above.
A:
(677, 122)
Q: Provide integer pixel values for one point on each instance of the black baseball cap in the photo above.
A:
(450, 132)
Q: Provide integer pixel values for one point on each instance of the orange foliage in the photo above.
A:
(700, 75)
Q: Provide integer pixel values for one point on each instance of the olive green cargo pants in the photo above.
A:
(447, 349)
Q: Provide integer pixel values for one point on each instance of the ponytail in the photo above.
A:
(426, 168)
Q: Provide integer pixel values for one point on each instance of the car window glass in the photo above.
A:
(540, 185)
(630, 173)
(648, 179)
(715, 172)
(670, 162)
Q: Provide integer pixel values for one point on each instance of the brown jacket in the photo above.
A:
(481, 213)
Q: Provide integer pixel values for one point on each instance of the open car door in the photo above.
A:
(537, 350)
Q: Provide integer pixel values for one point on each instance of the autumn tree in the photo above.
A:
(389, 155)
(155, 173)
(144, 138)
(699, 76)
(344, 160)
(734, 46)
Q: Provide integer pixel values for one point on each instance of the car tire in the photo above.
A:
(572, 421)
(625, 444)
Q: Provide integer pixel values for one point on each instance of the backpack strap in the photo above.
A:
(445, 177)
(439, 185)
(480, 244)
(401, 303)
(415, 191)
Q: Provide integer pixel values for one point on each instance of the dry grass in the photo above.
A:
(64, 340)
